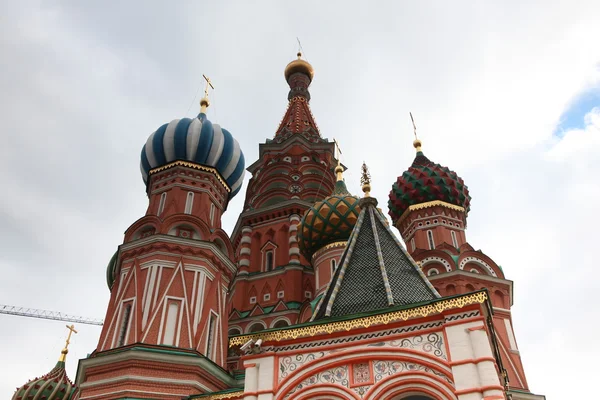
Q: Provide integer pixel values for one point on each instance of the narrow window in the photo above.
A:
(454, 241)
(171, 324)
(211, 335)
(124, 325)
(333, 267)
(430, 240)
(280, 294)
(161, 203)
(267, 297)
(412, 244)
(189, 202)
(212, 213)
(269, 260)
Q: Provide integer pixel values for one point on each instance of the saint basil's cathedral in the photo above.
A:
(313, 296)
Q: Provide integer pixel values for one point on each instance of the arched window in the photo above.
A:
(433, 271)
(189, 202)
(282, 323)
(257, 327)
(454, 241)
(161, 203)
(233, 331)
(430, 240)
(269, 260)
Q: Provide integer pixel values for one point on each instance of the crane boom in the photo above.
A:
(45, 314)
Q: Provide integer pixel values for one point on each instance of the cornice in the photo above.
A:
(193, 166)
(314, 329)
(428, 204)
(175, 240)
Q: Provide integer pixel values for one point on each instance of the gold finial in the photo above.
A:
(338, 169)
(63, 353)
(204, 103)
(416, 142)
(365, 180)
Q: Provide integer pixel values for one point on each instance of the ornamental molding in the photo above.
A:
(428, 204)
(219, 396)
(429, 260)
(340, 244)
(188, 164)
(364, 322)
(479, 262)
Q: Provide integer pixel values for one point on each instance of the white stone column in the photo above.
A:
(294, 252)
(488, 375)
(245, 252)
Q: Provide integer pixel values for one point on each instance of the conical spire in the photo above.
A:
(298, 118)
(375, 271)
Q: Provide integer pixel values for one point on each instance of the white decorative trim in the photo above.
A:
(429, 260)
(479, 262)
(245, 250)
(244, 263)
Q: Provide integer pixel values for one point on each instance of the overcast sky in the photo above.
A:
(505, 93)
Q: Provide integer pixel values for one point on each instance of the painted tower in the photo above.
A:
(276, 282)
(429, 205)
(165, 331)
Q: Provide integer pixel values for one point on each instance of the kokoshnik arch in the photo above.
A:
(311, 297)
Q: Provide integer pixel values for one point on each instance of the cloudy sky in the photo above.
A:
(505, 93)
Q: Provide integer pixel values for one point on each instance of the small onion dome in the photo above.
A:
(301, 66)
(197, 141)
(328, 221)
(426, 181)
(55, 385)
(111, 270)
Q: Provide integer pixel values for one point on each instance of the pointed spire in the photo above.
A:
(375, 272)
(298, 118)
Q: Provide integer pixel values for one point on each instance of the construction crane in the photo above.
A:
(44, 314)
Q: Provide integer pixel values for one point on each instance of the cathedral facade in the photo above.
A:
(313, 296)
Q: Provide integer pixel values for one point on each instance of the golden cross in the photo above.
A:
(414, 126)
(63, 353)
(208, 84)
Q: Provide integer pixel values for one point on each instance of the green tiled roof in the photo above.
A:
(375, 271)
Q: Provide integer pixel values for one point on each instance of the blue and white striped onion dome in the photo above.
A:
(197, 141)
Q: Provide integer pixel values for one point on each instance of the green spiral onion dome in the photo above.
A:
(55, 385)
(426, 181)
(328, 221)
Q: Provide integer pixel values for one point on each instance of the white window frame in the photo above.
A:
(161, 203)
(267, 297)
(280, 294)
(211, 335)
(430, 240)
(454, 241)
(266, 266)
(212, 214)
(189, 202)
(253, 300)
(124, 325)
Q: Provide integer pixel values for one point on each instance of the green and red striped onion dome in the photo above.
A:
(427, 181)
(55, 385)
(328, 221)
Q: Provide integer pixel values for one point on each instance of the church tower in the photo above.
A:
(275, 282)
(165, 331)
(429, 205)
